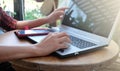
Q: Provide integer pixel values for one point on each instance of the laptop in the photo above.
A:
(90, 25)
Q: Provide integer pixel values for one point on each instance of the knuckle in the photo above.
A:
(63, 33)
(53, 35)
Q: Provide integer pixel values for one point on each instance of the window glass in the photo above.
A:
(7, 6)
(32, 9)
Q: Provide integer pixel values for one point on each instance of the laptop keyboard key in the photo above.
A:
(80, 43)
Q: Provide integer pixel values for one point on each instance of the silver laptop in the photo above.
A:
(89, 23)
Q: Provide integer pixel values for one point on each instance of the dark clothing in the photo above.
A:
(6, 66)
(7, 23)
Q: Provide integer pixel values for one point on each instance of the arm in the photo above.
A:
(38, 22)
(31, 23)
(15, 52)
(53, 42)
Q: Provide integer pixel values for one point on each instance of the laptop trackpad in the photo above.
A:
(70, 50)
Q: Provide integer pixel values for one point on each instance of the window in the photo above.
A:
(32, 9)
(7, 6)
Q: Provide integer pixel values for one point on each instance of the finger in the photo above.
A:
(61, 34)
(61, 17)
(60, 13)
(63, 8)
(64, 39)
(48, 36)
(64, 45)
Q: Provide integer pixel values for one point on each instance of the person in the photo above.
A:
(47, 7)
(53, 41)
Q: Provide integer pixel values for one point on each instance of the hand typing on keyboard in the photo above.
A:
(67, 45)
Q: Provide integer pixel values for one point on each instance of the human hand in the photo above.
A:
(56, 14)
(53, 42)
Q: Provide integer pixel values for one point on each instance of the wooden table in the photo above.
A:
(84, 62)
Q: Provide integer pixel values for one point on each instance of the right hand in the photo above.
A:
(56, 14)
(53, 42)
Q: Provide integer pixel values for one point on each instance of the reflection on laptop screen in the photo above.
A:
(94, 16)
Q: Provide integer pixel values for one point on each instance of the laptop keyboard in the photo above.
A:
(80, 43)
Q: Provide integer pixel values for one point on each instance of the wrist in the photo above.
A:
(40, 50)
(37, 50)
(49, 19)
(31, 51)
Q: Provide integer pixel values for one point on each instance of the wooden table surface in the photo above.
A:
(83, 62)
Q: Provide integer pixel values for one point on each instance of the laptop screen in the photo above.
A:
(94, 16)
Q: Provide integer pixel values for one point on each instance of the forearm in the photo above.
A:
(32, 23)
(16, 52)
(55, 15)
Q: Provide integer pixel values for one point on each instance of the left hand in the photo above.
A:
(56, 14)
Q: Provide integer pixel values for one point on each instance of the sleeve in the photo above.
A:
(7, 22)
